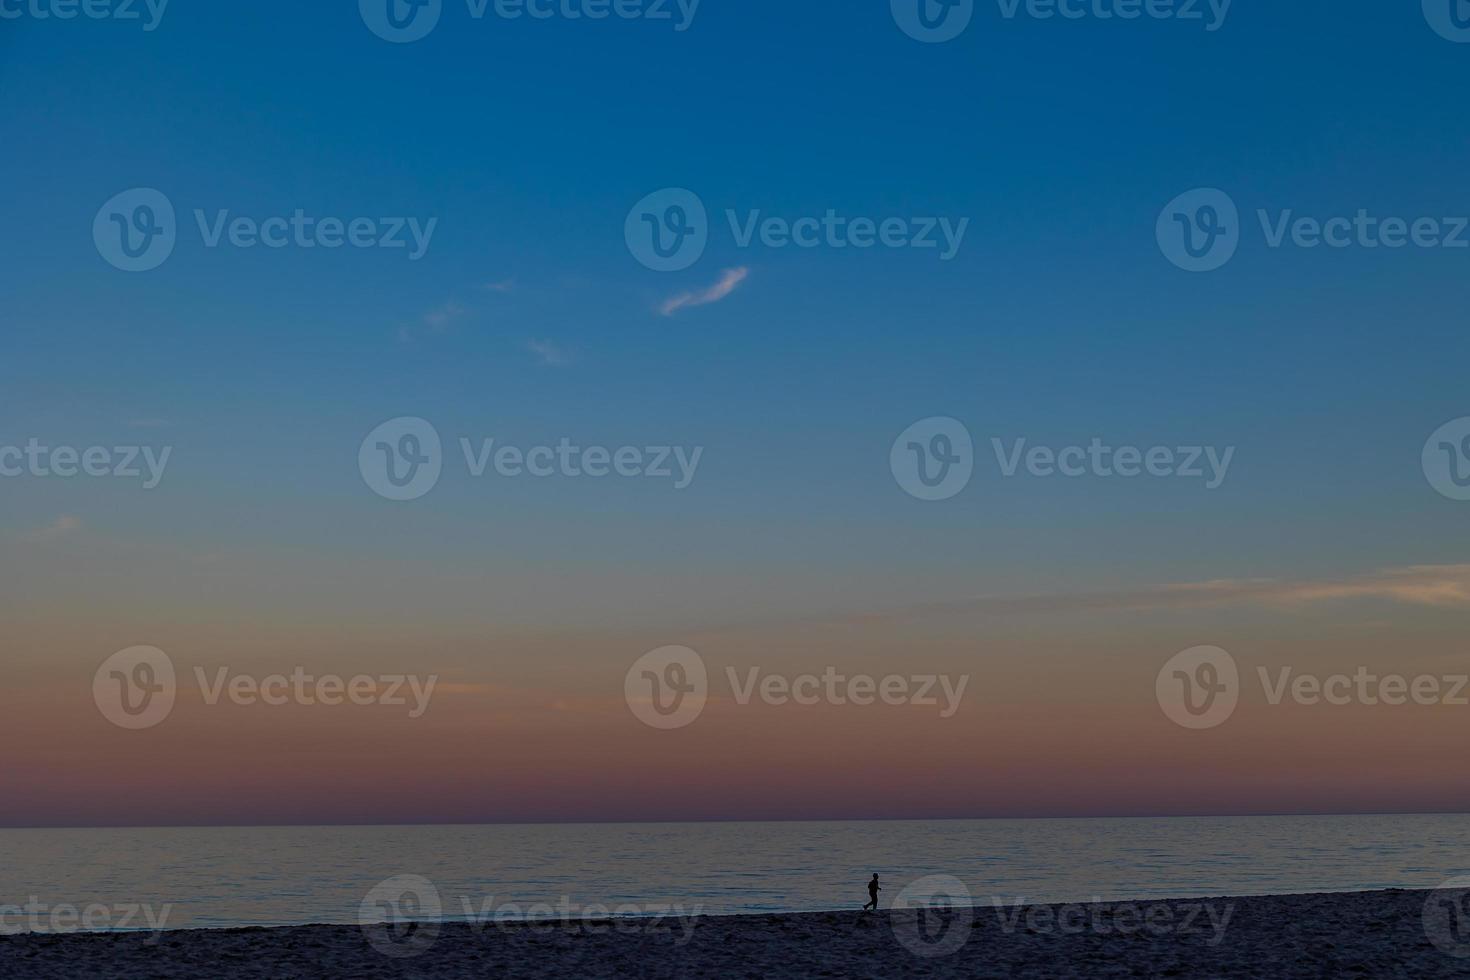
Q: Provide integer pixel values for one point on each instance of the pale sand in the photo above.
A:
(1365, 934)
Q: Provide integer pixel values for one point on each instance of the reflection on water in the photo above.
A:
(290, 875)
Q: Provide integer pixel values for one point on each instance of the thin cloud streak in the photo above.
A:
(1436, 586)
(435, 321)
(547, 352)
(729, 282)
(64, 526)
(1420, 585)
(440, 318)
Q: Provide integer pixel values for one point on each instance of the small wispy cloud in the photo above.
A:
(547, 352)
(503, 286)
(63, 526)
(730, 280)
(443, 316)
(435, 321)
(1442, 586)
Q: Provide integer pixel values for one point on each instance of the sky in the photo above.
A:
(530, 147)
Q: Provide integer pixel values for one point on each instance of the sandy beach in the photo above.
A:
(1361, 934)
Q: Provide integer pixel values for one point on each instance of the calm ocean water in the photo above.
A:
(291, 875)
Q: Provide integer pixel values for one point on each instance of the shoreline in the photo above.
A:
(1396, 932)
(677, 910)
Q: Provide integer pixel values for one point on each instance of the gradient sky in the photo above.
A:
(528, 321)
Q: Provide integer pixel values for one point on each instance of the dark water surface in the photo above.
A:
(211, 877)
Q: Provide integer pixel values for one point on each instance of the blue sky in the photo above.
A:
(1061, 319)
(528, 141)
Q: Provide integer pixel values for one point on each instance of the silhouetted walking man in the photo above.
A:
(873, 891)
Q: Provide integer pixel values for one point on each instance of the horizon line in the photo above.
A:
(632, 822)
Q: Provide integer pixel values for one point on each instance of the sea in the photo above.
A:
(118, 879)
